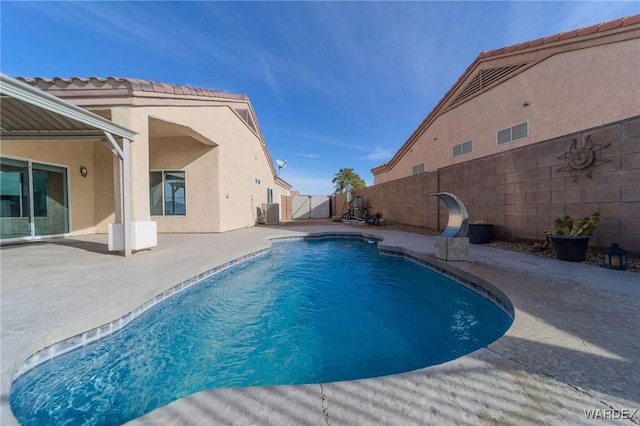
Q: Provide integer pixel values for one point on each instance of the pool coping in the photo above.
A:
(510, 362)
(475, 284)
(102, 331)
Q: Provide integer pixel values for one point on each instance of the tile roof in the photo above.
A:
(29, 112)
(134, 85)
(604, 26)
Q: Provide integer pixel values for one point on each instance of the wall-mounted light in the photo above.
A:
(526, 103)
(83, 171)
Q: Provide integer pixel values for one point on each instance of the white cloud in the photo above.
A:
(315, 138)
(303, 155)
(270, 79)
(378, 154)
(119, 21)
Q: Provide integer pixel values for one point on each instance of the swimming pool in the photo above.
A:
(306, 312)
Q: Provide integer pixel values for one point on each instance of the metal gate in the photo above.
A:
(311, 207)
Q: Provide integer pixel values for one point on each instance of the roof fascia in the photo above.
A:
(283, 183)
(53, 136)
(143, 101)
(259, 135)
(34, 96)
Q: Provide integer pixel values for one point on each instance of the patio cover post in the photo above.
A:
(126, 196)
(122, 187)
(117, 187)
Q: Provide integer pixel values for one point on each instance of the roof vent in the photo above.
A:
(246, 116)
(486, 78)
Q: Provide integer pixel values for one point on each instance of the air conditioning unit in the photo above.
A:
(271, 213)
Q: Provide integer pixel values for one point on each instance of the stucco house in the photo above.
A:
(529, 133)
(197, 162)
(526, 93)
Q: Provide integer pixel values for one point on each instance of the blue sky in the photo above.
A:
(334, 84)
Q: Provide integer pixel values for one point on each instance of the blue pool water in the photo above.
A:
(308, 311)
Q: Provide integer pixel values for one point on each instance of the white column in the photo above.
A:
(122, 187)
(126, 196)
(117, 187)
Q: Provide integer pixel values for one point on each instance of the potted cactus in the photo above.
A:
(570, 239)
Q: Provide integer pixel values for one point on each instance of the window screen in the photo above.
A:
(513, 133)
(462, 148)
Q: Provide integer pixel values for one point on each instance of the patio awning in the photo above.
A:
(27, 112)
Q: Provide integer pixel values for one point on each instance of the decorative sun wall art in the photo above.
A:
(579, 159)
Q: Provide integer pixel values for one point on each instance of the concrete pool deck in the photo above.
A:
(573, 350)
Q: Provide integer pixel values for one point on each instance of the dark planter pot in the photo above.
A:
(572, 249)
(480, 233)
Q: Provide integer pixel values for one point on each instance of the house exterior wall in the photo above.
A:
(567, 92)
(245, 175)
(137, 120)
(226, 181)
(222, 186)
(199, 164)
(522, 191)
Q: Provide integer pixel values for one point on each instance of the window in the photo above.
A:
(462, 148)
(418, 168)
(167, 193)
(269, 195)
(40, 189)
(513, 133)
(14, 190)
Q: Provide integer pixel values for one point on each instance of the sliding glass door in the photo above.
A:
(14, 199)
(33, 199)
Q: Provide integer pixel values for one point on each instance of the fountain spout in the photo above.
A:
(458, 224)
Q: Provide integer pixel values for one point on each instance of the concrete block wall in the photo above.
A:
(523, 190)
(286, 209)
(404, 200)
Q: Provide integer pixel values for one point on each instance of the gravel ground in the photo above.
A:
(594, 256)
